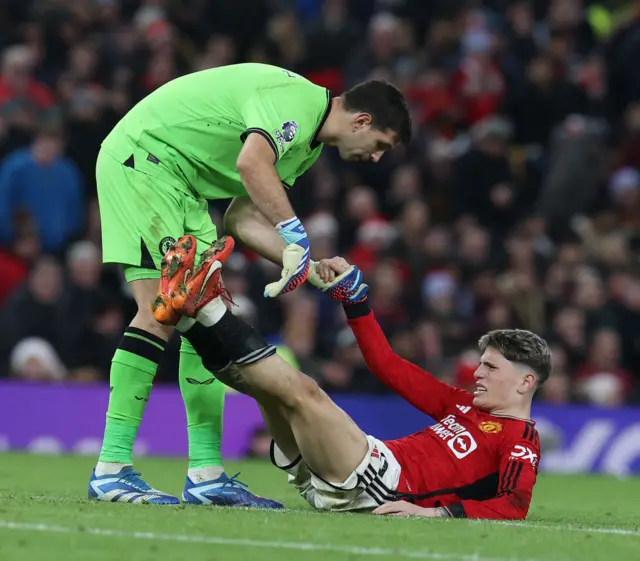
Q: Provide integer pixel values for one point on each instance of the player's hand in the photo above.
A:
(296, 259)
(403, 508)
(324, 272)
(348, 287)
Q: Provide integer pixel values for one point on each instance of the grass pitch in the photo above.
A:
(45, 516)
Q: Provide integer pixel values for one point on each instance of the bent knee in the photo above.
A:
(144, 291)
(144, 320)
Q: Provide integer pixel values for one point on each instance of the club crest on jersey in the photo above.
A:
(491, 427)
(166, 244)
(286, 133)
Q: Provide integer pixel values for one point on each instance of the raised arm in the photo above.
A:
(420, 388)
(423, 390)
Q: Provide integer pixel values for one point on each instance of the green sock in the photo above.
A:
(203, 397)
(132, 371)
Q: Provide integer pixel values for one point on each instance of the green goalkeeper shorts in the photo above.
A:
(144, 210)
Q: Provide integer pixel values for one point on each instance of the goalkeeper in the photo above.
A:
(480, 459)
(242, 132)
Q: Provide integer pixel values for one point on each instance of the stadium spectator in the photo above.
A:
(35, 359)
(24, 100)
(34, 309)
(41, 182)
(516, 204)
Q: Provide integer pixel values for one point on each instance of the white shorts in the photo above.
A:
(371, 484)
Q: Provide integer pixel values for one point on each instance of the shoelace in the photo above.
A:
(130, 479)
(226, 296)
(222, 292)
(235, 482)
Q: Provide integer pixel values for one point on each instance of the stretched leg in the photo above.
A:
(328, 439)
(278, 425)
(330, 442)
(280, 429)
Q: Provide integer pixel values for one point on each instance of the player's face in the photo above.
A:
(499, 382)
(363, 143)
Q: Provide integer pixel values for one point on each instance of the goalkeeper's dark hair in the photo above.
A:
(386, 105)
(522, 347)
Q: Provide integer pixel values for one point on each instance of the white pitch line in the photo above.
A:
(563, 528)
(516, 524)
(300, 546)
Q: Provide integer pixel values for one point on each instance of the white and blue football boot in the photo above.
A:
(127, 486)
(224, 491)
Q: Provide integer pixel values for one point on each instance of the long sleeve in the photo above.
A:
(518, 472)
(423, 390)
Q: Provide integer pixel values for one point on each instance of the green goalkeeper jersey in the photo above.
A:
(196, 124)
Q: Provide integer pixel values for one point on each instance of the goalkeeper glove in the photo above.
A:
(295, 258)
(348, 288)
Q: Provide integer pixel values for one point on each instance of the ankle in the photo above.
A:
(206, 473)
(185, 323)
(109, 468)
(212, 313)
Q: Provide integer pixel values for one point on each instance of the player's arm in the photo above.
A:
(245, 222)
(256, 166)
(420, 388)
(518, 472)
(262, 182)
(270, 132)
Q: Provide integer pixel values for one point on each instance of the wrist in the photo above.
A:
(455, 510)
(443, 512)
(355, 311)
(292, 231)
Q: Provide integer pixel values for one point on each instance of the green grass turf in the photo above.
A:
(45, 516)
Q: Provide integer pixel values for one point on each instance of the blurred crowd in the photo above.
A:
(517, 203)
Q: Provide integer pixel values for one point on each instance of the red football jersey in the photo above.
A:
(476, 464)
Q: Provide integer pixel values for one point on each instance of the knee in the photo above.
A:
(144, 320)
(306, 393)
(144, 291)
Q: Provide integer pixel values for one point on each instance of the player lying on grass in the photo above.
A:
(479, 460)
(241, 132)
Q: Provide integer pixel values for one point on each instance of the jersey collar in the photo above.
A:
(314, 139)
(530, 421)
